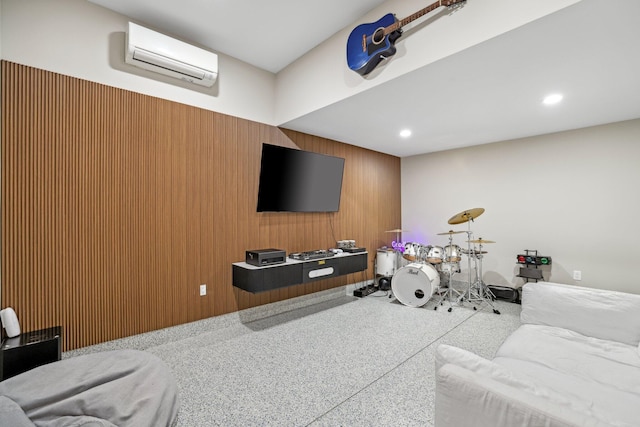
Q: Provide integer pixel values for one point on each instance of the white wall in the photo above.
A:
(80, 39)
(571, 195)
(0, 29)
(322, 77)
(0, 134)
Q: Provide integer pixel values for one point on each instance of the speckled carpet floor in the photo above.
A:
(328, 359)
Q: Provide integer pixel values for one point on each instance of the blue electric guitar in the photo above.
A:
(368, 44)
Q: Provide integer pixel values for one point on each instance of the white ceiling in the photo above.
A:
(491, 92)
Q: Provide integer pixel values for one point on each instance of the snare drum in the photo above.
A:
(452, 253)
(450, 268)
(414, 284)
(435, 255)
(385, 262)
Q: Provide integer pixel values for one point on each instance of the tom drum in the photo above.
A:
(411, 251)
(414, 284)
(435, 255)
(452, 253)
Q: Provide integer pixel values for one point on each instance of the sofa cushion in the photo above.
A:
(471, 361)
(12, 415)
(597, 374)
(446, 354)
(467, 398)
(121, 388)
(596, 313)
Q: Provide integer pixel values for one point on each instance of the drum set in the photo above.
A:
(419, 272)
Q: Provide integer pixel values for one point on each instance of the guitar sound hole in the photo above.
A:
(378, 36)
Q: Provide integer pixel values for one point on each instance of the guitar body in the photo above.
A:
(366, 46)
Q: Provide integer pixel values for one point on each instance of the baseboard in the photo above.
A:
(179, 332)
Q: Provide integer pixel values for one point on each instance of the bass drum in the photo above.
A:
(414, 284)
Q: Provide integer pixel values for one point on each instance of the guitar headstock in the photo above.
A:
(453, 4)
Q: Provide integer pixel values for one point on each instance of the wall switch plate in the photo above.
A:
(577, 275)
(203, 290)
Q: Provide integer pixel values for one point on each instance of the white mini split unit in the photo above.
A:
(156, 52)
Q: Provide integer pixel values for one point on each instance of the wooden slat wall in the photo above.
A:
(116, 206)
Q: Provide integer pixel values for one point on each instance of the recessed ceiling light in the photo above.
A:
(405, 133)
(552, 99)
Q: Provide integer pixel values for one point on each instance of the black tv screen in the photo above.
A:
(298, 181)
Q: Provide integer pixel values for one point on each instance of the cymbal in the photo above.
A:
(465, 216)
(397, 230)
(480, 241)
(451, 232)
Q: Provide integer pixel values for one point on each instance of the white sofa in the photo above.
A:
(574, 361)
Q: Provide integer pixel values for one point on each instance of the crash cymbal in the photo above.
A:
(480, 241)
(451, 232)
(465, 216)
(397, 230)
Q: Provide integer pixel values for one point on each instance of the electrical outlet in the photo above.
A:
(203, 290)
(577, 275)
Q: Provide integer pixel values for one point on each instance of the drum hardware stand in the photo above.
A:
(467, 293)
(480, 291)
(448, 293)
(398, 256)
(482, 294)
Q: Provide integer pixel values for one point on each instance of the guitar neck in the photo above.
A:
(401, 23)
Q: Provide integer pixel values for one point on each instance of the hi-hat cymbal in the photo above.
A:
(465, 216)
(451, 232)
(480, 241)
(397, 230)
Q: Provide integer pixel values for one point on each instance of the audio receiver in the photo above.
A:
(262, 257)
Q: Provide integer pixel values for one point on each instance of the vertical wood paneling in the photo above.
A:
(116, 206)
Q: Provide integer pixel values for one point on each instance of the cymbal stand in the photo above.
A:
(397, 261)
(467, 294)
(448, 294)
(482, 294)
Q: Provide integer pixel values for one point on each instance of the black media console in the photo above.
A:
(256, 279)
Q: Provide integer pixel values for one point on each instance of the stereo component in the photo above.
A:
(262, 257)
(355, 250)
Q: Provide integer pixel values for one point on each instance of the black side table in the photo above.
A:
(29, 350)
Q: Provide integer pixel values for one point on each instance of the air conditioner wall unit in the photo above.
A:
(157, 52)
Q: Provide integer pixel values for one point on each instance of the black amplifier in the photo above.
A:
(355, 250)
(262, 257)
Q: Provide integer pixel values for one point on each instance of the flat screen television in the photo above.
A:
(298, 181)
